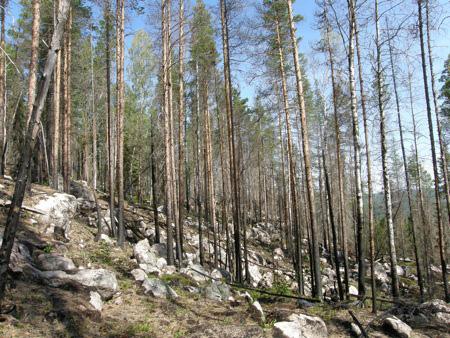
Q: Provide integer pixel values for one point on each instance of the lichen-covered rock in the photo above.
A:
(54, 261)
(196, 272)
(84, 194)
(255, 275)
(142, 252)
(436, 310)
(101, 280)
(217, 291)
(299, 326)
(96, 300)
(139, 275)
(257, 312)
(158, 288)
(400, 328)
(58, 211)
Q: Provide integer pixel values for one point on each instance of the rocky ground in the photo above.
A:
(64, 283)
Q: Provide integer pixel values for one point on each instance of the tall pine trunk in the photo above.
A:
(181, 136)
(55, 123)
(338, 162)
(2, 89)
(67, 111)
(34, 56)
(12, 221)
(120, 19)
(368, 165)
(298, 261)
(231, 142)
(170, 217)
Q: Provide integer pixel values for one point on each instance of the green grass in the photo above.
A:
(325, 312)
(125, 284)
(101, 254)
(178, 280)
(179, 334)
(280, 287)
(138, 328)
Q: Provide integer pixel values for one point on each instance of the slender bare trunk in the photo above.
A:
(425, 223)
(181, 143)
(408, 184)
(34, 56)
(94, 121)
(110, 116)
(67, 112)
(368, 165)
(386, 181)
(339, 163)
(434, 157)
(357, 155)
(443, 152)
(55, 123)
(167, 126)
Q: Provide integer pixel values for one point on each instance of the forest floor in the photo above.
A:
(45, 311)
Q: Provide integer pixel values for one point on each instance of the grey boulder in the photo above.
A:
(299, 325)
(54, 261)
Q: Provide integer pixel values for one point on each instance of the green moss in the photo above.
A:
(177, 280)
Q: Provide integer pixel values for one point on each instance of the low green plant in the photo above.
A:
(48, 248)
(268, 324)
(282, 288)
(179, 334)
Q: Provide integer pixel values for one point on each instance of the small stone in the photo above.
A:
(96, 301)
(356, 330)
(353, 290)
(257, 312)
(139, 275)
(106, 239)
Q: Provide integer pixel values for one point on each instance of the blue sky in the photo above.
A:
(310, 35)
